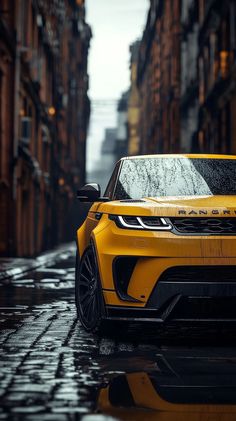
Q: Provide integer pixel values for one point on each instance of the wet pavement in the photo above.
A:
(51, 369)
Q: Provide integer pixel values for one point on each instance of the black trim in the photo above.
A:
(103, 305)
(133, 201)
(77, 248)
(118, 166)
(117, 178)
(199, 273)
(189, 226)
(119, 392)
(122, 269)
(165, 292)
(98, 215)
(184, 309)
(196, 292)
(132, 313)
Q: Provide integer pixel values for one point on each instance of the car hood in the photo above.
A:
(172, 206)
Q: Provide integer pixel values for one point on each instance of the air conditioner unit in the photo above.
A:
(26, 130)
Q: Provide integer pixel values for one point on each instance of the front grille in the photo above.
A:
(207, 226)
(219, 273)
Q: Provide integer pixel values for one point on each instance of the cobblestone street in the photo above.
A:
(51, 369)
(40, 345)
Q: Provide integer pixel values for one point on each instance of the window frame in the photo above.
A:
(113, 181)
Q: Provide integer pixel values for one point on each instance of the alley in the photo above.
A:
(141, 93)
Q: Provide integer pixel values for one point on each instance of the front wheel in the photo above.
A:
(88, 295)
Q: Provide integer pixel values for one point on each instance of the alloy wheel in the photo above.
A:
(88, 298)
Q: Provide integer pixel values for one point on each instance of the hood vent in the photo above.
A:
(133, 201)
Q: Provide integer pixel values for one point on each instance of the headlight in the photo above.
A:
(152, 223)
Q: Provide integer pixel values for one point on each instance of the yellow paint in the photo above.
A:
(149, 405)
(156, 250)
(187, 155)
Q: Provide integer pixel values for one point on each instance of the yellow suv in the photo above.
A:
(161, 244)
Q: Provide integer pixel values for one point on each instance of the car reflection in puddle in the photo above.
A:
(174, 385)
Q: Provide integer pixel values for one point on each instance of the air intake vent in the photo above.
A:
(222, 274)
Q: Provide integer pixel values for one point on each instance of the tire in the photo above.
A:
(88, 294)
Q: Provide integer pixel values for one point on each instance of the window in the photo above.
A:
(161, 177)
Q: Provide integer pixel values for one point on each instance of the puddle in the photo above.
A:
(171, 384)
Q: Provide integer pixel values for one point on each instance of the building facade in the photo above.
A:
(187, 77)
(103, 168)
(159, 78)
(217, 76)
(189, 86)
(44, 111)
(121, 145)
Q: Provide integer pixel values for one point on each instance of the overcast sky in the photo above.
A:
(115, 25)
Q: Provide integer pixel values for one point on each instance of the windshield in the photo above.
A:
(153, 177)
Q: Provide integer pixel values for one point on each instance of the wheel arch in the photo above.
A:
(81, 243)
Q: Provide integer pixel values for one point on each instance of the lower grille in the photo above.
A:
(195, 292)
(203, 308)
(219, 273)
(207, 226)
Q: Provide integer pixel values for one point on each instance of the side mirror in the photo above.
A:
(90, 193)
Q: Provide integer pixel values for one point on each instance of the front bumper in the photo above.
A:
(187, 305)
(187, 309)
(154, 254)
(187, 299)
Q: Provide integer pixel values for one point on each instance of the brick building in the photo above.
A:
(44, 111)
(189, 85)
(187, 77)
(217, 76)
(159, 78)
